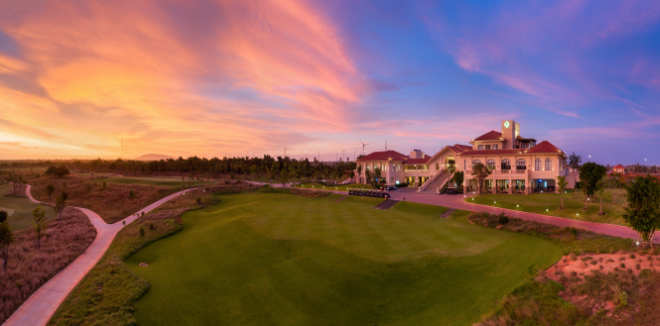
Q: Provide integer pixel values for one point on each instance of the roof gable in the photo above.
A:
(490, 136)
(383, 156)
(544, 147)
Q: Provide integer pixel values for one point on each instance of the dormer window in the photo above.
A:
(480, 147)
(488, 147)
(494, 146)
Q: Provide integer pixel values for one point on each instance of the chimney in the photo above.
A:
(416, 153)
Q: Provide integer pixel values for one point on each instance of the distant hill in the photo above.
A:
(153, 157)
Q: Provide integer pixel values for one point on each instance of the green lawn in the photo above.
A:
(156, 181)
(20, 209)
(548, 204)
(273, 258)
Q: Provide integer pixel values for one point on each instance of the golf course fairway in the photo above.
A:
(273, 258)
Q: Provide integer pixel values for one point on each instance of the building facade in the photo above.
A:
(517, 164)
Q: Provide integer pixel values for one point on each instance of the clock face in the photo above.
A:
(506, 124)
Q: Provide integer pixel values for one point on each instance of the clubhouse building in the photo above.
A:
(518, 164)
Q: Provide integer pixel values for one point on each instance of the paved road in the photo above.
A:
(457, 202)
(41, 305)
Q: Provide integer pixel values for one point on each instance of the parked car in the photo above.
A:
(450, 191)
(390, 187)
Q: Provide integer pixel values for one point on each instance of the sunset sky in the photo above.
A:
(241, 77)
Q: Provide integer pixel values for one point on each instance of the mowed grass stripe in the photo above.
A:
(223, 268)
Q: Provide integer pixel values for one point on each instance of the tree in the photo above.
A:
(367, 175)
(39, 223)
(57, 171)
(601, 192)
(50, 189)
(481, 172)
(6, 239)
(561, 183)
(643, 210)
(3, 216)
(60, 203)
(574, 161)
(378, 180)
(458, 179)
(590, 174)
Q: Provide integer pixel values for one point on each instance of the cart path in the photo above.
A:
(42, 304)
(457, 202)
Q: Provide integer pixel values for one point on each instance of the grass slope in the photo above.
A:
(21, 217)
(548, 204)
(283, 259)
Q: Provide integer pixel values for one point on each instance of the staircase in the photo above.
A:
(436, 183)
(386, 204)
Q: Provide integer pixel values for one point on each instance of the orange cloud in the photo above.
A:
(182, 78)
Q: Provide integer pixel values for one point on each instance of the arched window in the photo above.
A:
(548, 164)
(537, 164)
(490, 163)
(475, 162)
(506, 164)
(521, 164)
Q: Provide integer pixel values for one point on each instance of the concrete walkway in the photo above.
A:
(42, 304)
(457, 202)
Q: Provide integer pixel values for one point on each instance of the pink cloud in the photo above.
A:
(137, 70)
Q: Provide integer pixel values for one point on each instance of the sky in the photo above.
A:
(251, 77)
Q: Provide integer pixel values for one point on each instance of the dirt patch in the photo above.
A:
(606, 284)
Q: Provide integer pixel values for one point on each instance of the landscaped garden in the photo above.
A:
(278, 258)
(549, 203)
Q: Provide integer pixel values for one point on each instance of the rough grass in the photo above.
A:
(107, 293)
(21, 218)
(29, 268)
(112, 203)
(540, 301)
(548, 204)
(271, 258)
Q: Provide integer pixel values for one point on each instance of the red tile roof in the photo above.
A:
(458, 148)
(383, 156)
(619, 167)
(490, 136)
(523, 138)
(544, 147)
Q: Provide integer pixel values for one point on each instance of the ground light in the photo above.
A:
(546, 209)
(517, 205)
(494, 202)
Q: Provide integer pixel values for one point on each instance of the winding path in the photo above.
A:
(42, 304)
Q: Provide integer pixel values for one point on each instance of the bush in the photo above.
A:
(199, 201)
(57, 171)
(141, 231)
(502, 219)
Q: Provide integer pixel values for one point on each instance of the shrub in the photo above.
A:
(141, 231)
(620, 298)
(199, 200)
(502, 219)
(131, 195)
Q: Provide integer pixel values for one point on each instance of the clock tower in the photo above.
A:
(510, 130)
